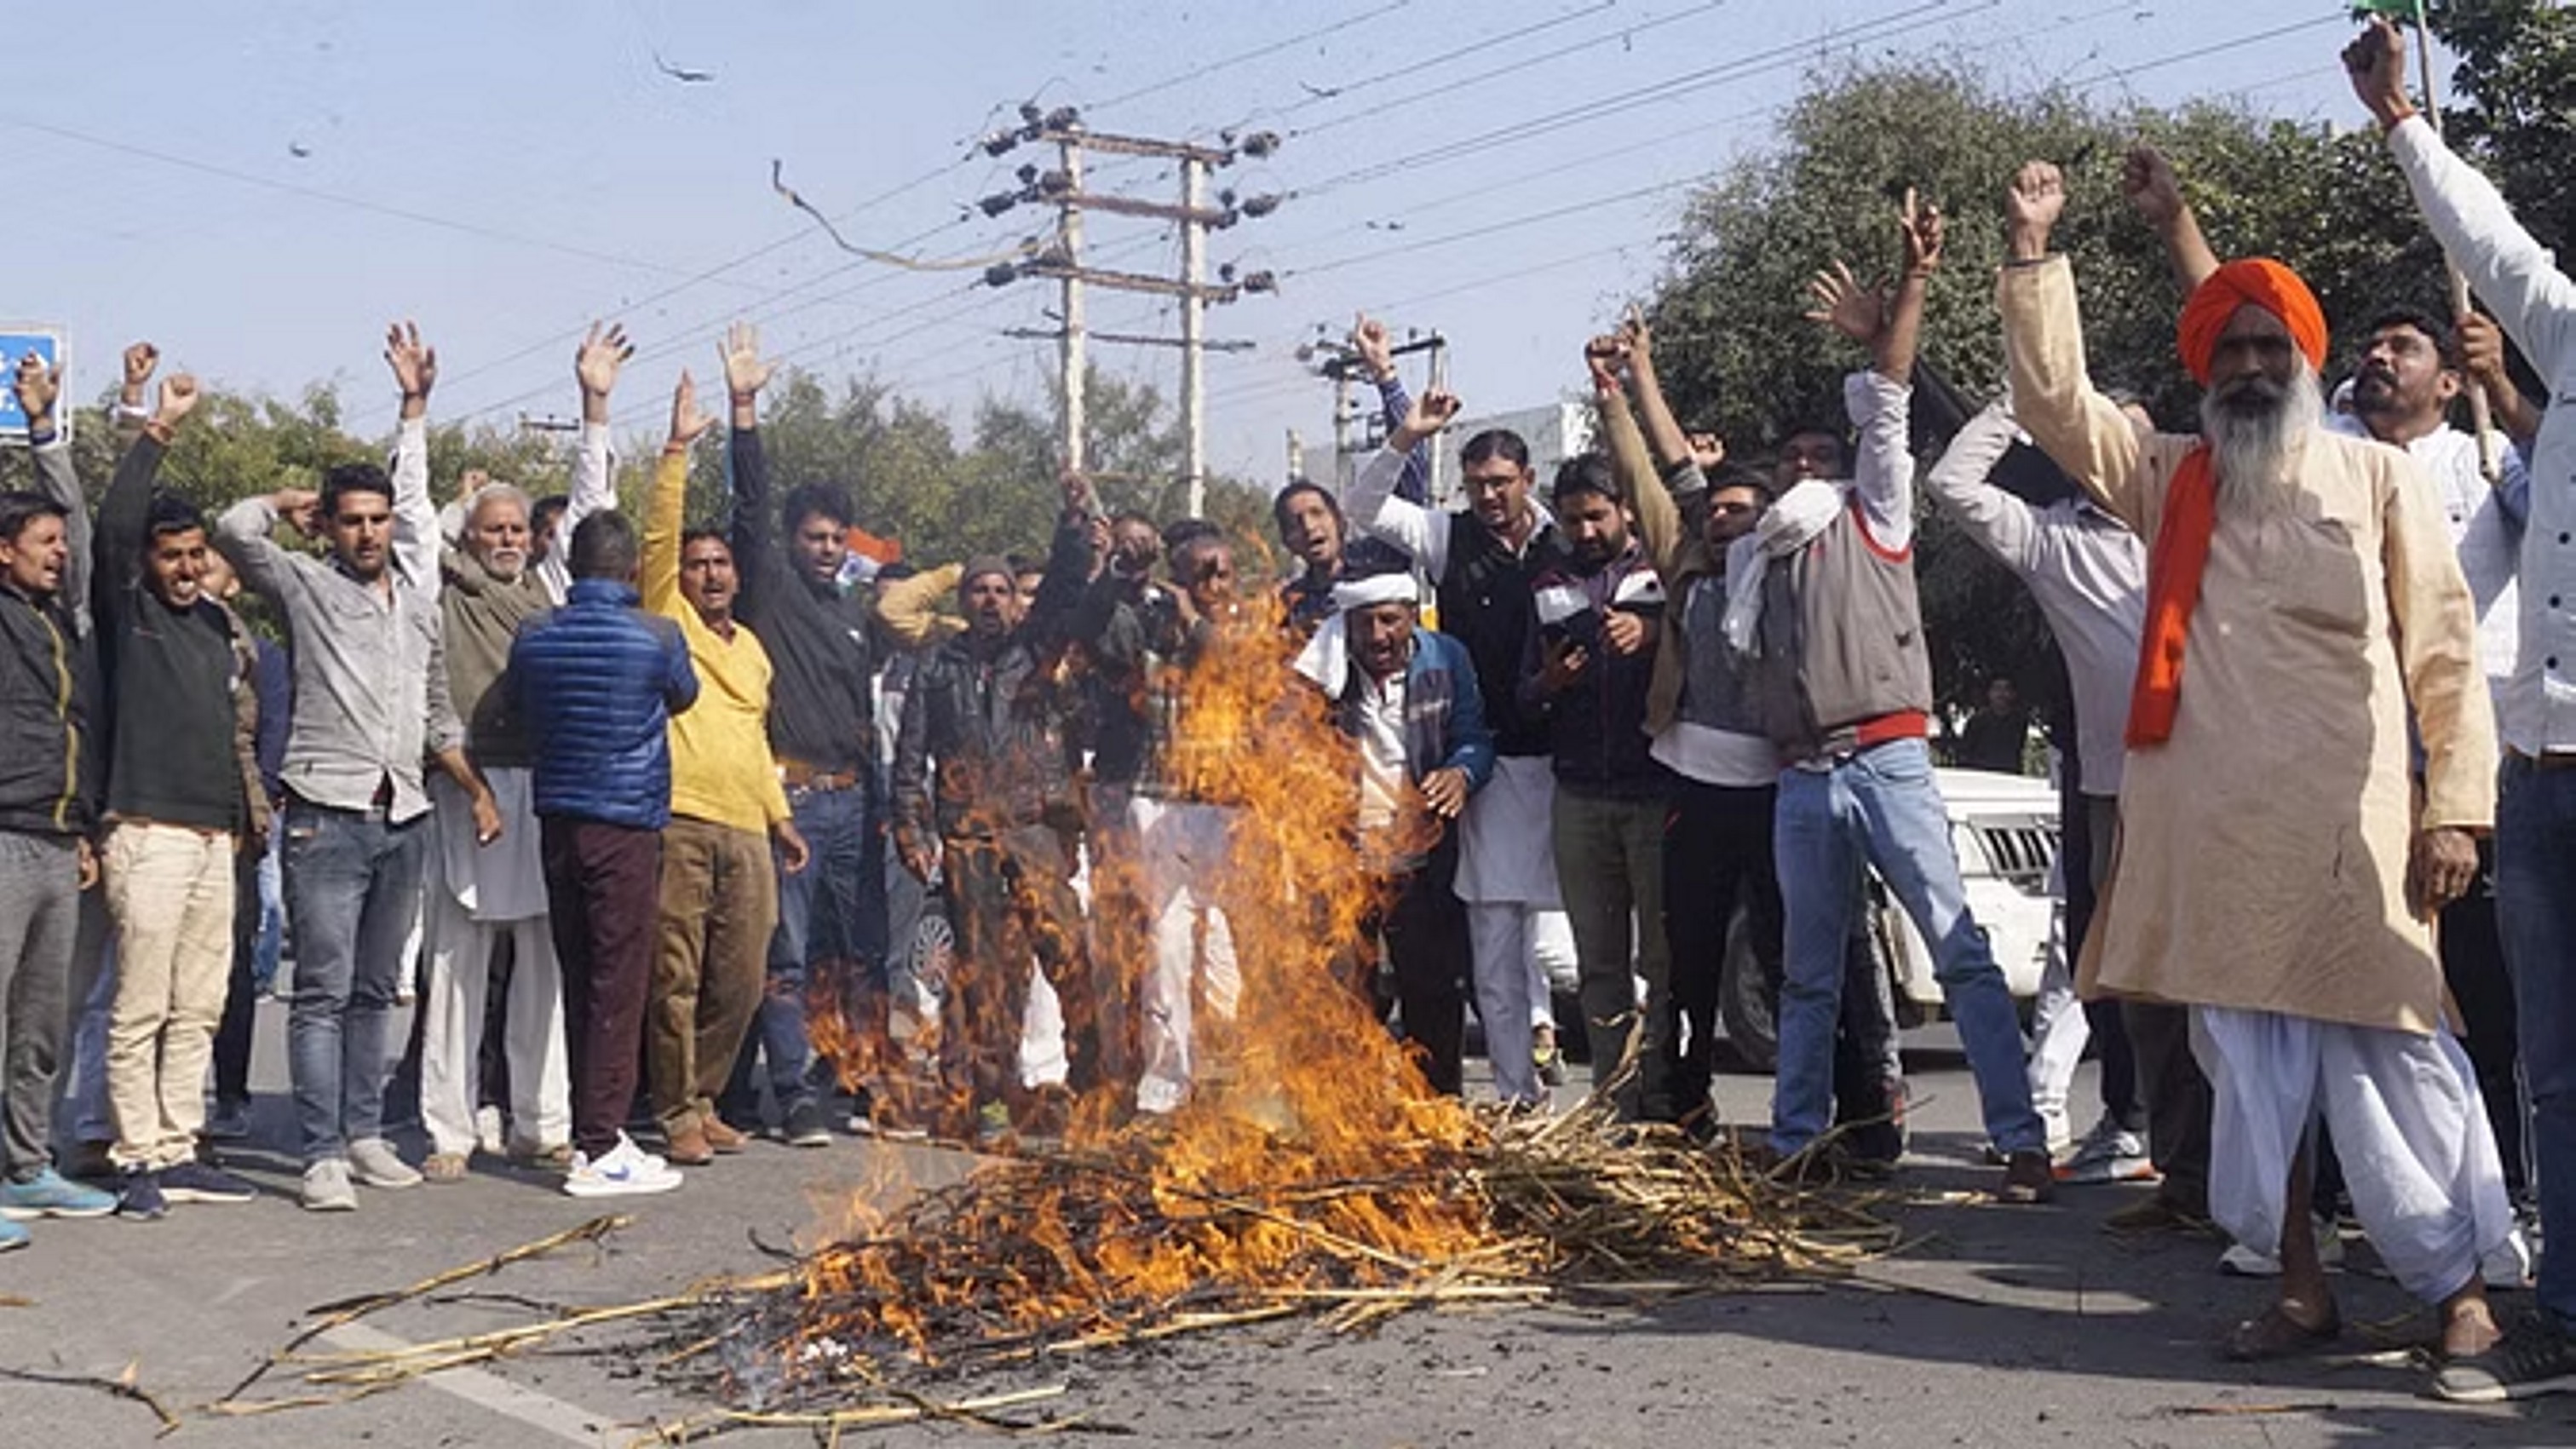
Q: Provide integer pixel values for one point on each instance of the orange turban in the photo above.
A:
(2258, 282)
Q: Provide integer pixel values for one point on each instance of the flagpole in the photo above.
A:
(2489, 463)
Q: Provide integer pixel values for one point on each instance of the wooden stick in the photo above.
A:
(123, 1386)
(2490, 461)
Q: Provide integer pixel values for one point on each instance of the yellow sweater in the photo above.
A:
(721, 770)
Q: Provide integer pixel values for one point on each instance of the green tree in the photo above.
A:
(1744, 360)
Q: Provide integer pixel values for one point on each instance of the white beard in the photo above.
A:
(2251, 451)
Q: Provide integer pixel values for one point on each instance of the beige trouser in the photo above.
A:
(170, 894)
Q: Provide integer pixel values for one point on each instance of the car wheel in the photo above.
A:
(1745, 1002)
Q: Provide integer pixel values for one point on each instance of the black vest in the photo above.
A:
(1485, 605)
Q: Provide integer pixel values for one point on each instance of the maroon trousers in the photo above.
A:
(603, 896)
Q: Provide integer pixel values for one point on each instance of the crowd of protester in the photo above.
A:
(656, 808)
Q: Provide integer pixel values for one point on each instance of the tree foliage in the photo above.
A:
(1736, 353)
(913, 477)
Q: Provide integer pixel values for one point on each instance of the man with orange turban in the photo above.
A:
(2275, 869)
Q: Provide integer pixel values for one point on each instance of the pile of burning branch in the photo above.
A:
(1311, 1173)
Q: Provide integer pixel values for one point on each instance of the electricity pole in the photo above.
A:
(1063, 189)
(1068, 237)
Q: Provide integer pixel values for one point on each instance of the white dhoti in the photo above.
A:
(1185, 847)
(1507, 877)
(477, 895)
(2418, 1156)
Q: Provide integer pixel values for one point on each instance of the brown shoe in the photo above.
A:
(2028, 1178)
(688, 1145)
(721, 1137)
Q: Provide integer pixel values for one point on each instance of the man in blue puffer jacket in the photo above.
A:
(598, 681)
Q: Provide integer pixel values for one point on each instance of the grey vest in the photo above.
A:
(1842, 642)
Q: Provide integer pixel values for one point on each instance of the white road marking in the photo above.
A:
(560, 1418)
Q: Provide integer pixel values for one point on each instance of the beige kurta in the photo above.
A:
(2262, 858)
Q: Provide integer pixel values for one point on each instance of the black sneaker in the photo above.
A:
(804, 1126)
(139, 1195)
(197, 1182)
(2534, 1357)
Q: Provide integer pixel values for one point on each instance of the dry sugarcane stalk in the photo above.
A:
(123, 1386)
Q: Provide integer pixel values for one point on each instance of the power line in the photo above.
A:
(1919, 16)
(2215, 48)
(573, 333)
(1412, 70)
(333, 198)
(1258, 52)
(1416, 97)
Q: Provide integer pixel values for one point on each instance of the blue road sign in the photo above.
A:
(16, 343)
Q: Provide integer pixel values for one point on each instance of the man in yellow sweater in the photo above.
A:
(719, 895)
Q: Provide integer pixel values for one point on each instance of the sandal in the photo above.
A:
(443, 1167)
(2274, 1334)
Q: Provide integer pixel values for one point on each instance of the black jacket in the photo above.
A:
(47, 775)
(1485, 605)
(996, 721)
(1596, 728)
(821, 642)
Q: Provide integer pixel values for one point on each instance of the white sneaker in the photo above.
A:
(2108, 1153)
(488, 1131)
(373, 1162)
(625, 1170)
(2240, 1261)
(2508, 1264)
(327, 1189)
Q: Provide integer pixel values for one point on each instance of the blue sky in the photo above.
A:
(259, 188)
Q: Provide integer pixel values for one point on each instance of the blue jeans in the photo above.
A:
(1880, 807)
(352, 888)
(2536, 910)
(831, 925)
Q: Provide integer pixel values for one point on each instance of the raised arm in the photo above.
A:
(1672, 448)
(1373, 505)
(756, 556)
(908, 609)
(1888, 323)
(1376, 352)
(125, 514)
(1659, 520)
(1068, 559)
(2156, 193)
(1962, 485)
(39, 388)
(242, 535)
(595, 366)
(2510, 271)
(658, 572)
(2053, 396)
(416, 540)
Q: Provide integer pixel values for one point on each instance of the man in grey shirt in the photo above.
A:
(371, 702)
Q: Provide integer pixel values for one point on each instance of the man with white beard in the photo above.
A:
(2274, 870)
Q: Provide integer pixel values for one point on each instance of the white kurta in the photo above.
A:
(506, 880)
(1506, 853)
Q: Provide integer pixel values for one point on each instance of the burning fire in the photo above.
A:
(1311, 1155)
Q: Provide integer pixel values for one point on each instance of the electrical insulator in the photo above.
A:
(1001, 274)
(1260, 206)
(998, 142)
(999, 202)
(1260, 282)
(1259, 144)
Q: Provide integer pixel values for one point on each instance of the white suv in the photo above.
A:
(2005, 830)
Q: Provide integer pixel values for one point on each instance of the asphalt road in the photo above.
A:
(2004, 1327)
